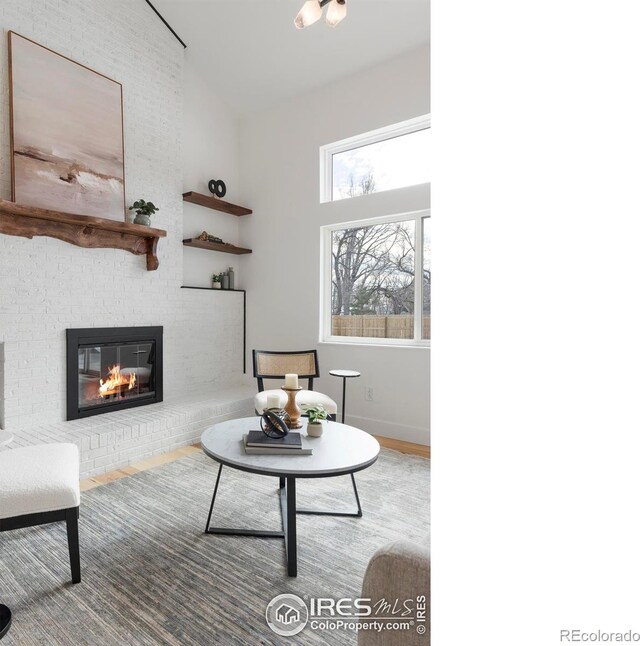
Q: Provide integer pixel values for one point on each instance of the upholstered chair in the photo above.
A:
(275, 365)
(38, 485)
(400, 570)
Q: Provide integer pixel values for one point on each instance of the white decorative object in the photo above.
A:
(314, 430)
(291, 381)
(273, 401)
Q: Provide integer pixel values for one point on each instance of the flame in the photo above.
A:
(116, 382)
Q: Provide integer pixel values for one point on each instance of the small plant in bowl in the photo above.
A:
(317, 414)
(144, 211)
(216, 281)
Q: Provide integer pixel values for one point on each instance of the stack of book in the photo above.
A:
(257, 443)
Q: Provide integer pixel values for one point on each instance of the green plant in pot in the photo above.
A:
(144, 211)
(216, 281)
(317, 415)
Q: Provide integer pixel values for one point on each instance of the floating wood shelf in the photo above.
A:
(215, 203)
(80, 230)
(214, 246)
(212, 289)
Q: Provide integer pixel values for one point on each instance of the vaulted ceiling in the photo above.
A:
(252, 55)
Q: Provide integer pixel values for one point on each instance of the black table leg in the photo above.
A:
(215, 491)
(329, 512)
(288, 508)
(228, 531)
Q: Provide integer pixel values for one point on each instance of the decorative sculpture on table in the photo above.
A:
(275, 423)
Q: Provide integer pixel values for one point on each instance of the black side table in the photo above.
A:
(345, 374)
(5, 620)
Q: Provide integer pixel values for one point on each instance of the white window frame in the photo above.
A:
(373, 137)
(325, 277)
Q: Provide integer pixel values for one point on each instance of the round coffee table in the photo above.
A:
(341, 450)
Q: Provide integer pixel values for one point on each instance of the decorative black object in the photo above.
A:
(218, 187)
(275, 423)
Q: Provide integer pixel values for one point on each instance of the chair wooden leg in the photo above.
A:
(74, 543)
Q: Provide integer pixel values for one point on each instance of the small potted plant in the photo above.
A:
(216, 281)
(317, 414)
(144, 211)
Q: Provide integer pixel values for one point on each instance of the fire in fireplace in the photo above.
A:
(112, 368)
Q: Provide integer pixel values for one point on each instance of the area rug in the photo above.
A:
(151, 576)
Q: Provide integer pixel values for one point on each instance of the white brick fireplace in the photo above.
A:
(47, 286)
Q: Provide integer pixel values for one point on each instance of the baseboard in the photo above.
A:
(413, 434)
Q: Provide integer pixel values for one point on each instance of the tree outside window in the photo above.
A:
(373, 280)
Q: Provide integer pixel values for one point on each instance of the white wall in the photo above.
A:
(47, 285)
(280, 170)
(210, 151)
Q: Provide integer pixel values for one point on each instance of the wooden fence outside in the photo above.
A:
(394, 326)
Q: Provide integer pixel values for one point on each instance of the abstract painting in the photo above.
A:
(67, 149)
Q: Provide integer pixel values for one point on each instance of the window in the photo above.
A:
(426, 278)
(377, 277)
(381, 160)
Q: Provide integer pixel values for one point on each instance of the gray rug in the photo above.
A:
(151, 576)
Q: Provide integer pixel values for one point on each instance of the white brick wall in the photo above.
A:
(109, 442)
(47, 285)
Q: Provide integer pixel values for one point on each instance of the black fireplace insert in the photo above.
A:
(111, 369)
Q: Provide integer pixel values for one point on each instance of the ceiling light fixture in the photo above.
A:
(312, 12)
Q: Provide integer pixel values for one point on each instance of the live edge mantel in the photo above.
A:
(80, 230)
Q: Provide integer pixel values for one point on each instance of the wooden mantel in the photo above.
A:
(80, 230)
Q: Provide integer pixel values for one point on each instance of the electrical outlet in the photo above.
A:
(368, 394)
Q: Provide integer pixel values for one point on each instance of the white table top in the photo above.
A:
(341, 449)
(5, 437)
(344, 373)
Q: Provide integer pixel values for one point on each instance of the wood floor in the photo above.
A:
(136, 467)
(155, 461)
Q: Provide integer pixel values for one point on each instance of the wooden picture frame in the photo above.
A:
(66, 132)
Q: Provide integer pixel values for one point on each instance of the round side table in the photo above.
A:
(345, 374)
(5, 613)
